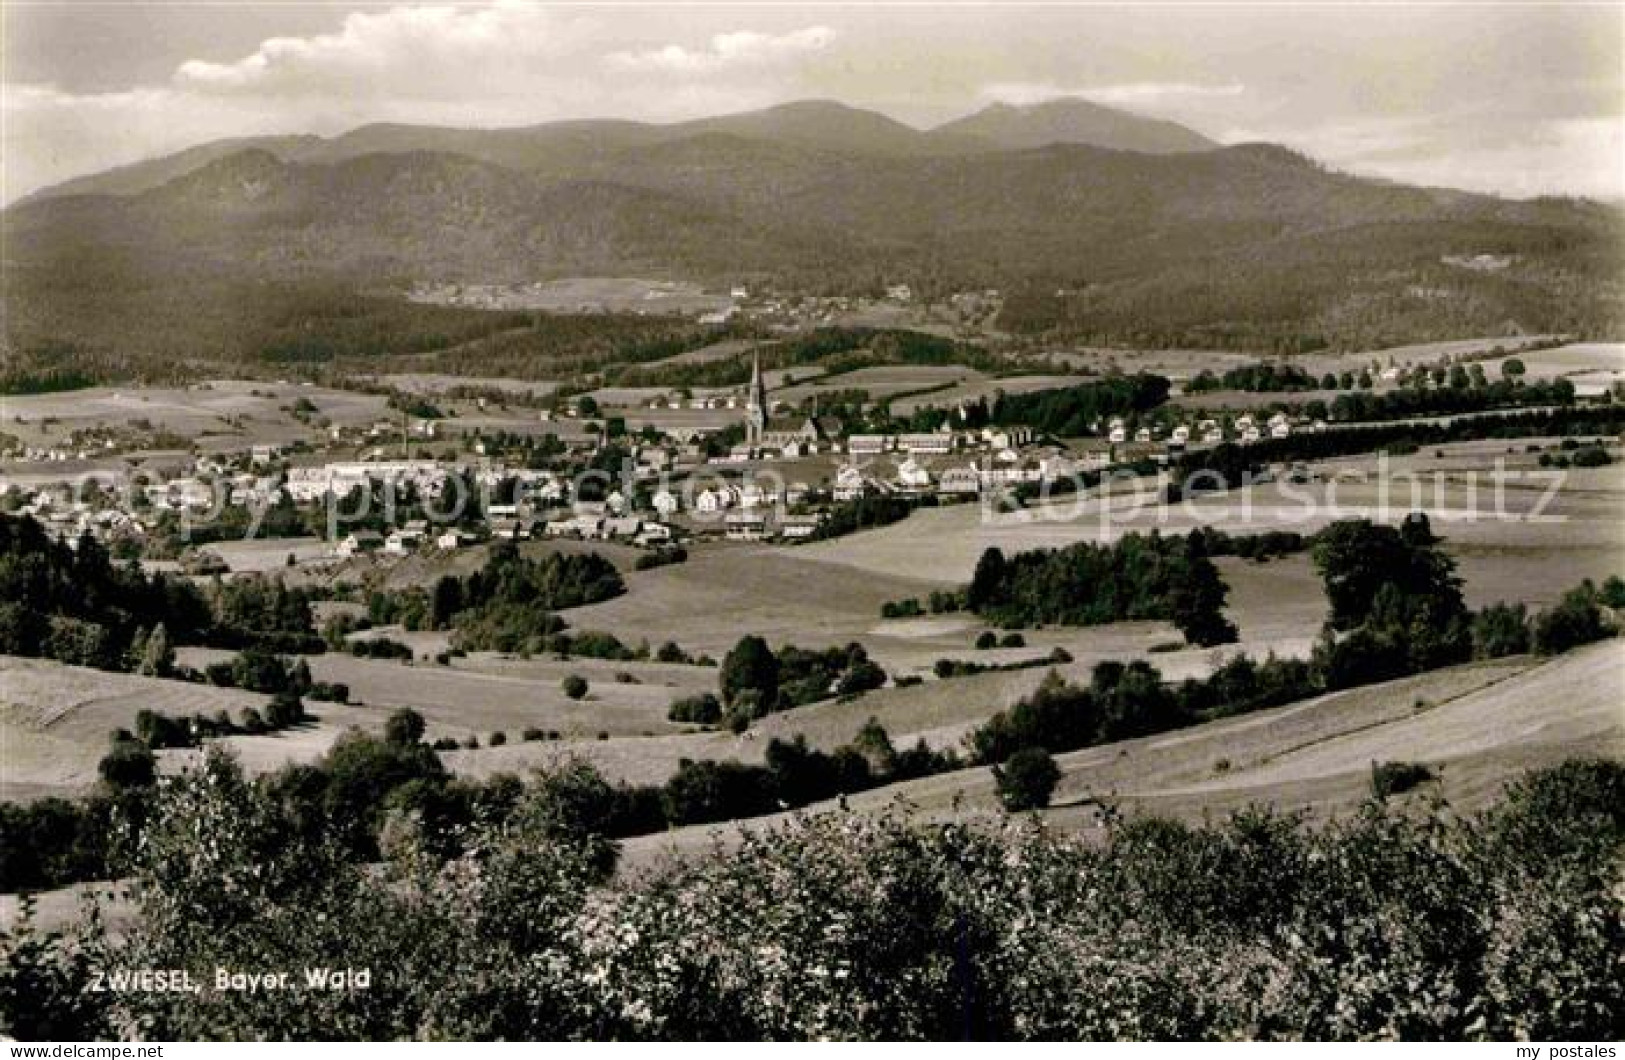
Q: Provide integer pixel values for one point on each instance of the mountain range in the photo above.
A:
(1101, 224)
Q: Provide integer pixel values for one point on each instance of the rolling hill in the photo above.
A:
(1073, 121)
(1179, 241)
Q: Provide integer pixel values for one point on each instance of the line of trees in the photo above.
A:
(1137, 577)
(1387, 924)
(1256, 378)
(1395, 609)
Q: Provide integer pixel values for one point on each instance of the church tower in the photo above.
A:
(755, 404)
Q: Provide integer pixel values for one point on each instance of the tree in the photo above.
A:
(750, 667)
(446, 601)
(1027, 779)
(127, 766)
(404, 727)
(703, 709)
(575, 686)
(1356, 558)
(1513, 368)
(284, 710)
(1500, 630)
(158, 657)
(1576, 620)
(1196, 601)
(987, 584)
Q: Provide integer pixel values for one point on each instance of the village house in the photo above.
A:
(509, 529)
(621, 528)
(666, 503)
(746, 526)
(359, 541)
(653, 534)
(931, 443)
(797, 527)
(862, 445)
(402, 541)
(850, 483)
(960, 481)
(452, 540)
(913, 475)
(710, 501)
(757, 495)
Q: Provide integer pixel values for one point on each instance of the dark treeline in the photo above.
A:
(571, 345)
(1077, 410)
(1228, 465)
(756, 680)
(865, 513)
(72, 603)
(78, 319)
(1438, 401)
(1138, 577)
(1063, 411)
(1256, 378)
(507, 605)
(42, 379)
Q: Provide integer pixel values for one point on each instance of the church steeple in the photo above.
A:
(755, 403)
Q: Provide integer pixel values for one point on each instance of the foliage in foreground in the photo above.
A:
(1387, 924)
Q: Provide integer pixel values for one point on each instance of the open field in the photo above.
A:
(879, 382)
(55, 719)
(1478, 726)
(585, 294)
(1593, 367)
(259, 555)
(249, 411)
(1180, 364)
(1579, 527)
(440, 383)
(707, 603)
(985, 387)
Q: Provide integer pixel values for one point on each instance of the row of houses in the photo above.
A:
(1245, 428)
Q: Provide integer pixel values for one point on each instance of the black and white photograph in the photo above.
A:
(811, 522)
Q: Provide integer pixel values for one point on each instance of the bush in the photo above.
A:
(404, 727)
(128, 765)
(1396, 778)
(1576, 620)
(284, 710)
(497, 739)
(986, 640)
(1012, 640)
(575, 686)
(1500, 630)
(1027, 779)
(703, 709)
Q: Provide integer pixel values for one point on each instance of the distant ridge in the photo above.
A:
(1073, 121)
(821, 125)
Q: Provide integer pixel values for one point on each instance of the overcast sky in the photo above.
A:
(1519, 100)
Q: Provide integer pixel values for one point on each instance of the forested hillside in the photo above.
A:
(1239, 247)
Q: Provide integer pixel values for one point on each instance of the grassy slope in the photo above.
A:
(1479, 725)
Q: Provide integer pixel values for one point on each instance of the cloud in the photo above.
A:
(1130, 94)
(413, 52)
(727, 51)
(503, 63)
